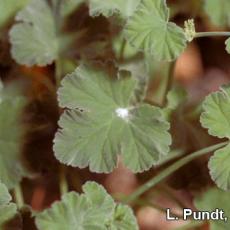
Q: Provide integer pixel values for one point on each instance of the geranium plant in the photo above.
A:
(76, 98)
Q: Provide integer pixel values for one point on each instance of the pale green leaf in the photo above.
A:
(219, 167)
(8, 8)
(149, 30)
(109, 125)
(123, 219)
(145, 138)
(11, 170)
(109, 7)
(33, 38)
(210, 201)
(92, 210)
(217, 112)
(218, 11)
(7, 210)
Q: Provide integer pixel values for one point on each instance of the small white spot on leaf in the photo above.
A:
(122, 113)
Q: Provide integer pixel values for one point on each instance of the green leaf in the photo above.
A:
(149, 30)
(8, 8)
(217, 112)
(210, 201)
(7, 210)
(108, 125)
(218, 11)
(109, 7)
(33, 38)
(123, 219)
(93, 210)
(11, 170)
(219, 167)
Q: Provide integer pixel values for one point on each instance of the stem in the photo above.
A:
(18, 196)
(172, 168)
(169, 82)
(122, 50)
(62, 180)
(211, 34)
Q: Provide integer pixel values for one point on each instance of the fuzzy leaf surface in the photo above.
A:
(219, 167)
(149, 30)
(108, 124)
(92, 210)
(217, 112)
(210, 201)
(33, 38)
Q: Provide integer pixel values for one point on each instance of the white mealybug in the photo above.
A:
(122, 113)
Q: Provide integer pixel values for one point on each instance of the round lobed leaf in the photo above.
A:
(108, 124)
(93, 210)
(216, 113)
(33, 38)
(219, 167)
(149, 30)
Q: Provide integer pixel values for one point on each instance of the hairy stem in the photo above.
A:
(172, 168)
(212, 34)
(18, 196)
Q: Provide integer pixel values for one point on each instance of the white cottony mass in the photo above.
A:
(122, 113)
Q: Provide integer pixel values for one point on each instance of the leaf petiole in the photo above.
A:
(171, 169)
(212, 34)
